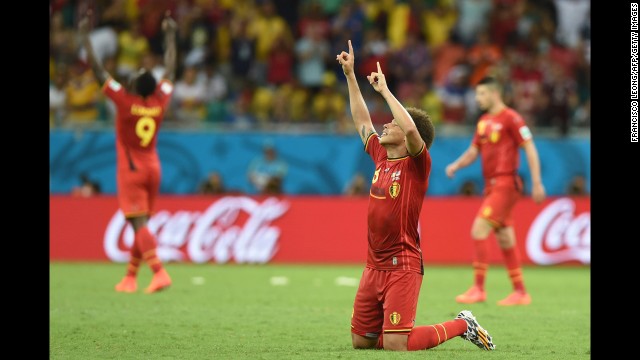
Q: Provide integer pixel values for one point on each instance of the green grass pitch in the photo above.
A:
(235, 312)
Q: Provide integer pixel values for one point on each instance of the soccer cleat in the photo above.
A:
(475, 333)
(128, 284)
(516, 298)
(160, 281)
(473, 295)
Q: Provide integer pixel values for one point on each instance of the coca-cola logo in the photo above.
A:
(557, 235)
(232, 228)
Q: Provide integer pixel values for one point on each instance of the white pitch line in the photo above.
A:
(346, 281)
(279, 280)
(197, 280)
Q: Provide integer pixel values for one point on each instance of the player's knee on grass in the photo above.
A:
(395, 342)
(480, 229)
(361, 342)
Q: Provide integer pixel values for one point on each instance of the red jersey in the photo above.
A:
(498, 138)
(397, 190)
(137, 123)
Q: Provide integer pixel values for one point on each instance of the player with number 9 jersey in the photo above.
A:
(137, 123)
(140, 110)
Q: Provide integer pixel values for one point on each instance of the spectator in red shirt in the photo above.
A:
(280, 63)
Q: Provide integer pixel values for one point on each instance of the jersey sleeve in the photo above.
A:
(374, 149)
(164, 90)
(475, 141)
(481, 127)
(519, 130)
(113, 90)
(421, 162)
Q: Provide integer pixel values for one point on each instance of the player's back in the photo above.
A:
(138, 120)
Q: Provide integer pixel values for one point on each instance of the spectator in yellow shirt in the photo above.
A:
(132, 45)
(83, 94)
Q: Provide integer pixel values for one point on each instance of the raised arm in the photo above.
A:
(466, 159)
(400, 114)
(169, 27)
(359, 111)
(537, 189)
(98, 70)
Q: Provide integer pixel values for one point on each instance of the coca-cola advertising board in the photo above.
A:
(244, 229)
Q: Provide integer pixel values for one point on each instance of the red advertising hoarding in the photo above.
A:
(245, 229)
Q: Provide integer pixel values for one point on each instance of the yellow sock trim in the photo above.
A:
(446, 337)
(437, 333)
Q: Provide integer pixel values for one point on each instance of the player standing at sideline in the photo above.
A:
(500, 131)
(385, 305)
(140, 112)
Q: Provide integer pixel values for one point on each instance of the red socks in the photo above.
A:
(426, 337)
(512, 261)
(481, 262)
(147, 245)
(134, 260)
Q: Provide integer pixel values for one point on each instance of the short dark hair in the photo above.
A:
(145, 84)
(423, 123)
(490, 81)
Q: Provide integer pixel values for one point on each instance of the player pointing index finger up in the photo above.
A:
(384, 309)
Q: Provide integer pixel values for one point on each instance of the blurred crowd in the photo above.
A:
(249, 64)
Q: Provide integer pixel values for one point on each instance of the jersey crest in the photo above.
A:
(394, 190)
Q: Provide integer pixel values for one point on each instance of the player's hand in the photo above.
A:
(538, 193)
(83, 24)
(168, 24)
(377, 80)
(347, 60)
(451, 170)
